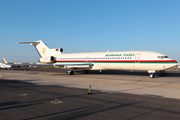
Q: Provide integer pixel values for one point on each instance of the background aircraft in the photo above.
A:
(7, 65)
(4, 65)
(121, 60)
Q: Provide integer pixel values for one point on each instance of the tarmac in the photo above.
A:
(50, 94)
(107, 81)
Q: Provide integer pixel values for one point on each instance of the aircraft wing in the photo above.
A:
(67, 66)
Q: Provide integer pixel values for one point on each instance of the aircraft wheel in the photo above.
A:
(85, 71)
(71, 72)
(68, 73)
(151, 75)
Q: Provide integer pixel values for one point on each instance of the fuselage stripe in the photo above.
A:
(143, 61)
(115, 61)
(38, 51)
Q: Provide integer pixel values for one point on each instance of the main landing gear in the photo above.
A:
(85, 71)
(70, 72)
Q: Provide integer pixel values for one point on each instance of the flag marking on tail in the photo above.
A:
(44, 50)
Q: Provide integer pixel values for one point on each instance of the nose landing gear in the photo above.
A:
(160, 74)
(151, 75)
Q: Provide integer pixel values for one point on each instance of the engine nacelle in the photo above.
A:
(61, 50)
(49, 59)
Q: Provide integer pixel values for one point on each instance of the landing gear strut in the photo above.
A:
(70, 72)
(151, 73)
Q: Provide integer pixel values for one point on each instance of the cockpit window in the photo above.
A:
(162, 57)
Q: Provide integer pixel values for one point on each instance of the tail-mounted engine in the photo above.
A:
(49, 59)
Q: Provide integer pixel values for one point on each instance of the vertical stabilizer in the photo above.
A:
(41, 48)
(5, 61)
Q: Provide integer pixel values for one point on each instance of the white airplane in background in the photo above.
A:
(4, 65)
(122, 60)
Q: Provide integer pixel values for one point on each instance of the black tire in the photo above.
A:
(72, 72)
(85, 71)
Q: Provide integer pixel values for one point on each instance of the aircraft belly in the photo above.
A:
(112, 66)
(156, 67)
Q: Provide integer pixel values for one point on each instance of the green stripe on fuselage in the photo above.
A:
(37, 52)
(121, 62)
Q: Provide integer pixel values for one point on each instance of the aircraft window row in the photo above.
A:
(162, 57)
(95, 58)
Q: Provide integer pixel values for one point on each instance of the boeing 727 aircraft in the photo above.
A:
(122, 60)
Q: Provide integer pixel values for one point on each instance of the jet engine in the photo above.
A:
(61, 50)
(49, 59)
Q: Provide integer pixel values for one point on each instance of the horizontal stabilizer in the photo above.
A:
(42, 48)
(32, 43)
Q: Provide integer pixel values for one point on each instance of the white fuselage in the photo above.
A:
(4, 66)
(123, 60)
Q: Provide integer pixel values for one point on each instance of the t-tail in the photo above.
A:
(46, 54)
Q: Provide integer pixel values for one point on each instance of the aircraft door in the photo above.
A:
(87, 58)
(137, 58)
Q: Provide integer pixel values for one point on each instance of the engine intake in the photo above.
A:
(61, 50)
(52, 58)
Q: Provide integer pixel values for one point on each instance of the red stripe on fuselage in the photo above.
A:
(115, 61)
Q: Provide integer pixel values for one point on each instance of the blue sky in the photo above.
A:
(89, 26)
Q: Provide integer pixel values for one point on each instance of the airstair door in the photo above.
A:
(137, 58)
